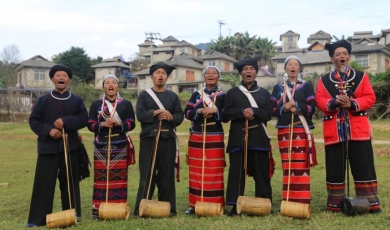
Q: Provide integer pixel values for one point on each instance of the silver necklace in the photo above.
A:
(353, 76)
(61, 99)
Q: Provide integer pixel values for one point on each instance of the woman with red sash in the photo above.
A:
(294, 102)
(206, 104)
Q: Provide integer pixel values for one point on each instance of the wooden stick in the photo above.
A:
(108, 161)
(64, 138)
(289, 155)
(204, 155)
(245, 153)
(154, 156)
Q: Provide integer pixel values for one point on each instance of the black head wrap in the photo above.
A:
(342, 43)
(247, 61)
(162, 65)
(60, 67)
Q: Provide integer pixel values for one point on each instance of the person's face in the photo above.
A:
(340, 58)
(248, 74)
(211, 77)
(159, 77)
(60, 81)
(110, 87)
(292, 68)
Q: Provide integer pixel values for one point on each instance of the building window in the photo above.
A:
(289, 39)
(362, 60)
(190, 75)
(212, 62)
(193, 52)
(39, 74)
(189, 90)
(387, 64)
(226, 67)
(181, 50)
(168, 87)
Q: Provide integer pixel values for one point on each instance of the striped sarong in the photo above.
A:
(117, 186)
(213, 189)
(300, 172)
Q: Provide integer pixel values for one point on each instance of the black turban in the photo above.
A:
(162, 65)
(60, 67)
(342, 43)
(247, 61)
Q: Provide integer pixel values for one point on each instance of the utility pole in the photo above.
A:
(221, 23)
(229, 31)
(152, 36)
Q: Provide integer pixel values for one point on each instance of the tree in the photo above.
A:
(242, 46)
(79, 62)
(355, 65)
(138, 63)
(222, 45)
(264, 50)
(349, 38)
(10, 54)
(233, 79)
(56, 58)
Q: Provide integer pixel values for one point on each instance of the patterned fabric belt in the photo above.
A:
(361, 113)
(163, 130)
(325, 118)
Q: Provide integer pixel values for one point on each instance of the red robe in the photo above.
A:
(361, 94)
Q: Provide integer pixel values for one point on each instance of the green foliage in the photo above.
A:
(8, 75)
(79, 62)
(184, 97)
(245, 45)
(233, 79)
(354, 65)
(83, 90)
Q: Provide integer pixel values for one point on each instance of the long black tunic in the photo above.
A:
(145, 109)
(235, 103)
(47, 110)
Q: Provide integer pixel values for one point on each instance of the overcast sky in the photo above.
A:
(110, 28)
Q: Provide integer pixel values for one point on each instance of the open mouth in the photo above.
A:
(111, 90)
(342, 61)
(292, 71)
(248, 76)
(61, 82)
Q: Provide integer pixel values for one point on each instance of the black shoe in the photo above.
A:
(172, 214)
(233, 212)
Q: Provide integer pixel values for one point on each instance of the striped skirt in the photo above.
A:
(214, 164)
(117, 184)
(299, 189)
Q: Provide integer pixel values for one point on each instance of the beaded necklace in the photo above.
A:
(109, 114)
(61, 99)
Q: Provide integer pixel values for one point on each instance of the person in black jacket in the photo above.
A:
(150, 114)
(238, 109)
(50, 114)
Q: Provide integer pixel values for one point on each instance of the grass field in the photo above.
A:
(17, 167)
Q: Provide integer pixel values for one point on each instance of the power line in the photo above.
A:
(221, 23)
(152, 36)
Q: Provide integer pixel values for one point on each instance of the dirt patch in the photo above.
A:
(382, 151)
(16, 117)
(380, 127)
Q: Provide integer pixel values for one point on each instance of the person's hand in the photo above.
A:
(208, 112)
(112, 122)
(157, 112)
(58, 124)
(55, 133)
(342, 99)
(294, 110)
(248, 114)
(165, 115)
(347, 105)
(106, 124)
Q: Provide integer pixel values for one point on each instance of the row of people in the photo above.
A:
(343, 95)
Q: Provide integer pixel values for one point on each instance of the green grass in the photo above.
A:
(17, 167)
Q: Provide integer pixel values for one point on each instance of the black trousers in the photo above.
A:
(259, 166)
(163, 172)
(49, 168)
